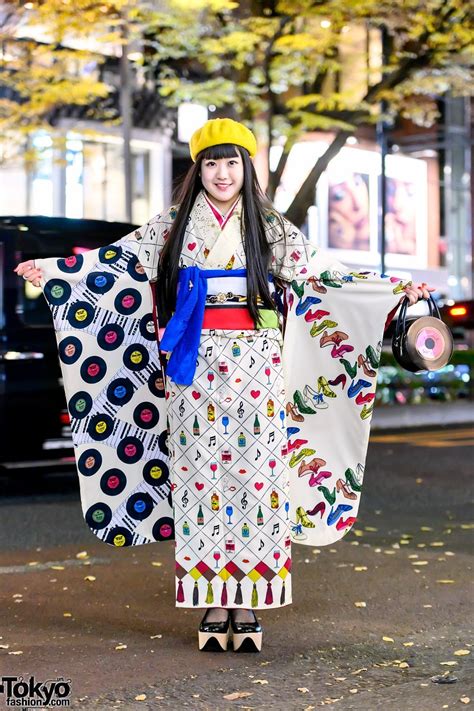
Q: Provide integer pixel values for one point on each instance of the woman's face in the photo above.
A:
(223, 179)
(351, 200)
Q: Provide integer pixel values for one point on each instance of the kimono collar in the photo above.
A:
(221, 217)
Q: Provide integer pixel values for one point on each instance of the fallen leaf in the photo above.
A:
(403, 665)
(437, 544)
(449, 664)
(156, 563)
(360, 568)
(34, 562)
(427, 605)
(156, 636)
(140, 697)
(420, 562)
(446, 678)
(360, 604)
(387, 639)
(464, 699)
(466, 526)
(237, 695)
(82, 554)
(90, 578)
(67, 614)
(259, 681)
(461, 652)
(370, 528)
(353, 691)
(57, 567)
(16, 652)
(358, 671)
(121, 646)
(408, 644)
(4, 646)
(303, 690)
(425, 528)
(446, 582)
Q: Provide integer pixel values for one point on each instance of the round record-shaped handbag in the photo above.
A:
(421, 342)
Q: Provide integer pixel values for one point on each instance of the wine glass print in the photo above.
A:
(210, 377)
(272, 464)
(216, 555)
(267, 373)
(229, 510)
(213, 470)
(276, 555)
(225, 422)
(282, 418)
(287, 508)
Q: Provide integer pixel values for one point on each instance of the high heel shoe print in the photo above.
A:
(330, 496)
(323, 386)
(304, 305)
(293, 413)
(303, 519)
(337, 513)
(317, 285)
(372, 357)
(335, 338)
(351, 370)
(311, 316)
(319, 508)
(342, 486)
(362, 363)
(316, 399)
(340, 379)
(366, 412)
(313, 466)
(354, 482)
(356, 387)
(362, 399)
(296, 458)
(316, 329)
(302, 406)
(328, 280)
(338, 351)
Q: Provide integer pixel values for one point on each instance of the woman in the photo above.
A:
(220, 258)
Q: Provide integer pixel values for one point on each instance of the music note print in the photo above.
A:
(181, 408)
(264, 345)
(262, 545)
(259, 454)
(216, 529)
(252, 362)
(198, 455)
(276, 528)
(244, 501)
(184, 499)
(271, 437)
(241, 410)
(201, 544)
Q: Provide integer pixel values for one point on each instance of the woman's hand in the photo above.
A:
(414, 293)
(29, 272)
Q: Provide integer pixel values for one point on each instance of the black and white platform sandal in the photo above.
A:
(247, 635)
(213, 634)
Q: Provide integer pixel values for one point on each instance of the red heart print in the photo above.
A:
(167, 395)
(198, 485)
(191, 246)
(196, 395)
(255, 394)
(258, 485)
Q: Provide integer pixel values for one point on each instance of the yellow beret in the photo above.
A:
(223, 130)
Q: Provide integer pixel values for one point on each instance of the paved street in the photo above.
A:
(374, 617)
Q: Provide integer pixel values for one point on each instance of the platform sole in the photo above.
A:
(247, 641)
(213, 641)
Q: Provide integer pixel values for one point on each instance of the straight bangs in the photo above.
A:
(222, 150)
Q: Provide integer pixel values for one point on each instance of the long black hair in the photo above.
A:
(255, 207)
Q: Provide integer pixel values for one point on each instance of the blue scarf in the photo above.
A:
(183, 332)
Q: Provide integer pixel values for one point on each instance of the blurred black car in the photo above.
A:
(34, 423)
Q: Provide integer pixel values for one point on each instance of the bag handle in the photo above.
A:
(402, 315)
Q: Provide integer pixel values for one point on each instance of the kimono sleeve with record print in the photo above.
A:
(102, 309)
